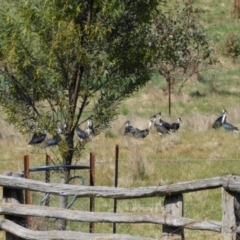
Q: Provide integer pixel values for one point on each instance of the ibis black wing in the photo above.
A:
(218, 122)
(37, 138)
(82, 135)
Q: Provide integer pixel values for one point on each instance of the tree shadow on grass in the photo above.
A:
(227, 93)
(197, 94)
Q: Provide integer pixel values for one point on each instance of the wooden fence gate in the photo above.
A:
(171, 219)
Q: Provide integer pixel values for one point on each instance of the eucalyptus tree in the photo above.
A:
(63, 62)
(181, 44)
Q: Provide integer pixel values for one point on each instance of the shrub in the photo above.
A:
(232, 45)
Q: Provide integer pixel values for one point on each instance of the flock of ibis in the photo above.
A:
(82, 135)
(161, 126)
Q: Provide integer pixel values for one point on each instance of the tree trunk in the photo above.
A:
(169, 94)
(67, 160)
(62, 225)
(67, 157)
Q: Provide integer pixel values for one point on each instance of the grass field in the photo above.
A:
(195, 152)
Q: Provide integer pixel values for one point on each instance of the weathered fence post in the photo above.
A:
(13, 196)
(115, 184)
(237, 211)
(47, 177)
(92, 183)
(230, 215)
(173, 205)
(27, 192)
(26, 175)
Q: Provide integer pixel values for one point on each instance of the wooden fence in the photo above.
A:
(171, 220)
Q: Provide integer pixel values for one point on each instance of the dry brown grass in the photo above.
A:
(195, 152)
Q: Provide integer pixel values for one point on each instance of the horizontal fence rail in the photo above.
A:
(53, 212)
(230, 182)
(53, 234)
